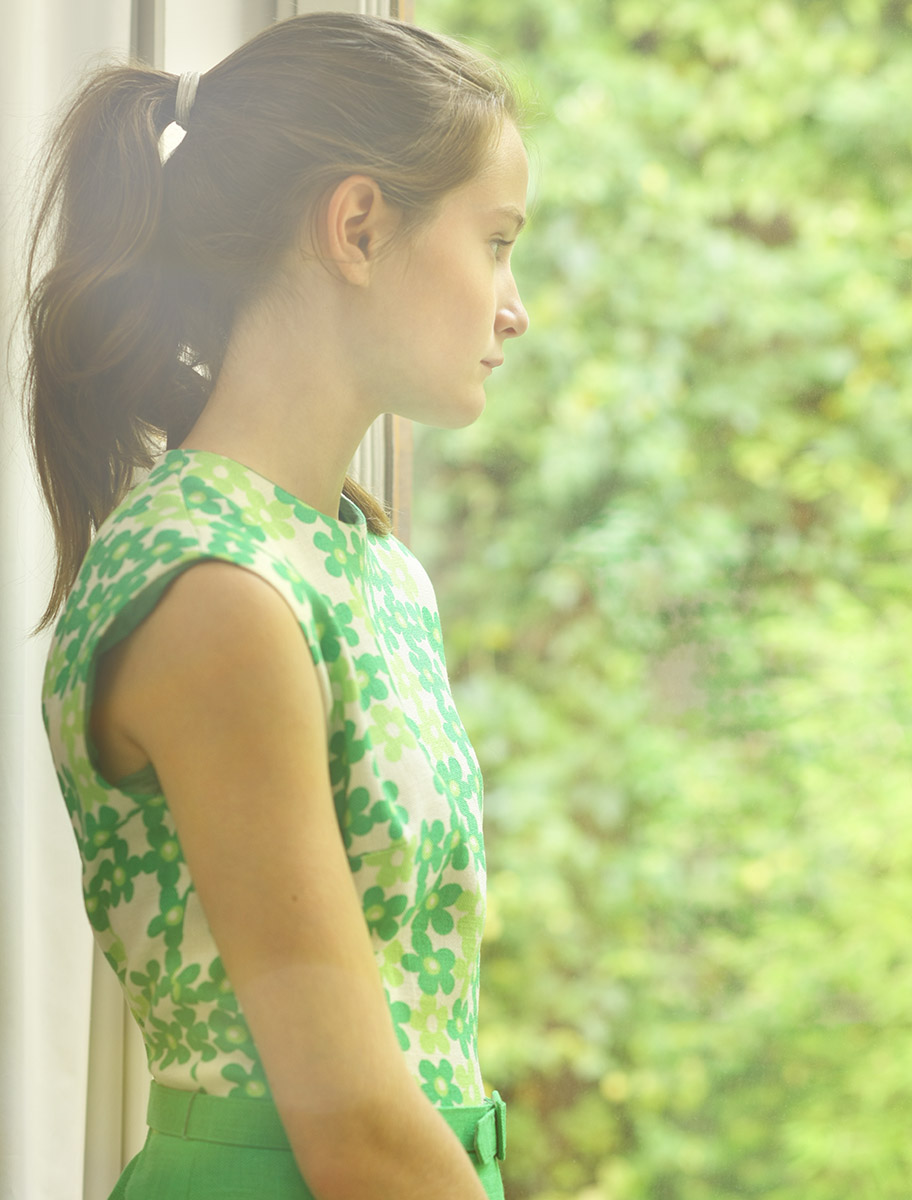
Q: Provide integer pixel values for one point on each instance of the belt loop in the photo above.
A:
(184, 1132)
(500, 1125)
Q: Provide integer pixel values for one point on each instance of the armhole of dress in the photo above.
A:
(144, 782)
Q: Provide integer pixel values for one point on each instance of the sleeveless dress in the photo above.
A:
(406, 784)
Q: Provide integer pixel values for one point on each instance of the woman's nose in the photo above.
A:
(512, 318)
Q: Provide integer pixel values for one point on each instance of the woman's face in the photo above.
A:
(447, 299)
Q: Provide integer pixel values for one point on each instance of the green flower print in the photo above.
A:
(425, 673)
(166, 1041)
(228, 542)
(118, 872)
(301, 512)
(354, 818)
(434, 968)
(390, 963)
(394, 863)
(345, 749)
(398, 629)
(460, 1028)
(164, 857)
(70, 792)
(381, 913)
(250, 1084)
(198, 1041)
(433, 909)
(138, 1004)
(181, 985)
(170, 467)
(217, 987)
(199, 496)
(387, 810)
(459, 850)
(456, 735)
(228, 476)
(149, 981)
(430, 1020)
(339, 560)
(97, 909)
(439, 1083)
(170, 919)
(151, 510)
(400, 1012)
(333, 633)
(397, 578)
(300, 588)
(408, 620)
(390, 732)
(170, 544)
(100, 830)
(121, 590)
(470, 926)
(93, 606)
(370, 668)
(229, 1031)
(475, 847)
(431, 623)
(269, 517)
(464, 974)
(432, 848)
(112, 554)
(455, 784)
(116, 955)
(465, 1081)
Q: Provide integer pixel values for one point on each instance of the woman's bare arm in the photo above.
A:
(218, 690)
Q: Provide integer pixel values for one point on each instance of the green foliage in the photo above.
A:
(674, 562)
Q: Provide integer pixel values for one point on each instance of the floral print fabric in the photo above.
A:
(406, 785)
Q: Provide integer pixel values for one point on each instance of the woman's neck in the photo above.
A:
(286, 405)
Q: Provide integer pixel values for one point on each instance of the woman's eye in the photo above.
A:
(501, 246)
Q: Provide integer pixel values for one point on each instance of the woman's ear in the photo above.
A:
(357, 223)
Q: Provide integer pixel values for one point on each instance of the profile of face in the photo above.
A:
(446, 299)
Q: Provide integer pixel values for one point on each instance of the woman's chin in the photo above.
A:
(457, 416)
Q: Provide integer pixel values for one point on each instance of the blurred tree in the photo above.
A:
(674, 562)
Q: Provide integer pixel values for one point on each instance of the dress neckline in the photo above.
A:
(349, 516)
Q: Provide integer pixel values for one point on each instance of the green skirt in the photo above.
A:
(209, 1148)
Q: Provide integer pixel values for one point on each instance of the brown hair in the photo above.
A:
(149, 262)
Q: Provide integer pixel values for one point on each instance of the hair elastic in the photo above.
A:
(186, 94)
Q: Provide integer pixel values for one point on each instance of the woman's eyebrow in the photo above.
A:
(513, 214)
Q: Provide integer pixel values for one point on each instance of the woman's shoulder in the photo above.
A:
(197, 506)
(174, 517)
(191, 505)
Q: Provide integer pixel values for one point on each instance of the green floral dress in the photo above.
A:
(406, 784)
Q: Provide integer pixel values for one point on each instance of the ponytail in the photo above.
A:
(105, 384)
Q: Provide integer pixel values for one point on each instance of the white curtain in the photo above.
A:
(74, 1083)
(47, 949)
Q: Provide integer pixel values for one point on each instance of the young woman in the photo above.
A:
(276, 805)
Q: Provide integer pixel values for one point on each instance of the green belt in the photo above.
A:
(198, 1117)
